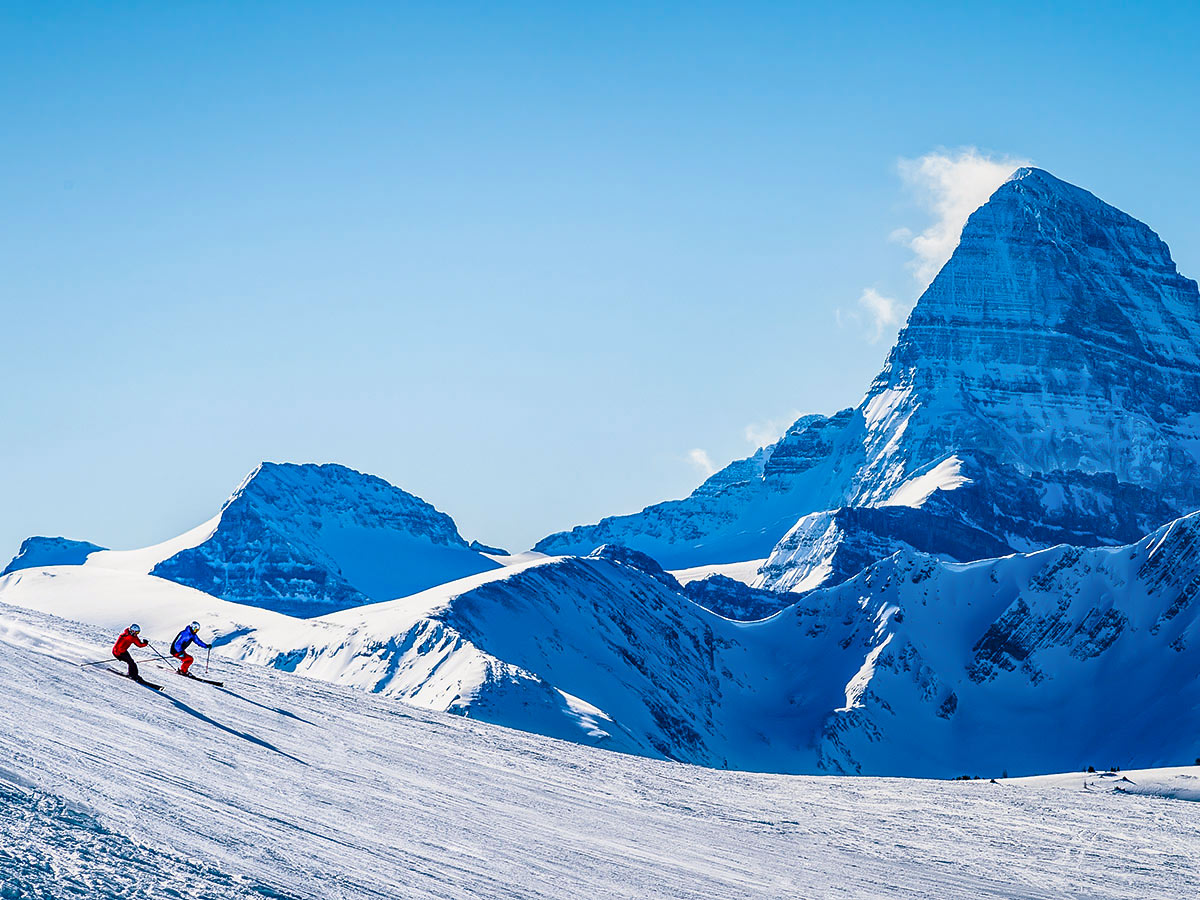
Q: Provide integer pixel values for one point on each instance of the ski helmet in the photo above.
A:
(195, 626)
(134, 629)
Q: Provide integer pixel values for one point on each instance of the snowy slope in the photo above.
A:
(1045, 389)
(300, 539)
(1174, 783)
(1054, 660)
(282, 787)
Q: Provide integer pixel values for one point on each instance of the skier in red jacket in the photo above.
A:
(121, 649)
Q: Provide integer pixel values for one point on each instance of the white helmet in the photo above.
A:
(134, 629)
(194, 627)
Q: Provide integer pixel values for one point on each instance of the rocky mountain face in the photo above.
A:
(1059, 337)
(1065, 654)
(1046, 388)
(309, 539)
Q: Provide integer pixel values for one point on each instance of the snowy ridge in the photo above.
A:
(737, 514)
(1053, 660)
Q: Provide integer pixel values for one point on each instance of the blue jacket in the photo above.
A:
(184, 638)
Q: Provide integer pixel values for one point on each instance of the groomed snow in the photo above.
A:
(279, 786)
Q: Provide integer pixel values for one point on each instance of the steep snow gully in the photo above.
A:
(285, 787)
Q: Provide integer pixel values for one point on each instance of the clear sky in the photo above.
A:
(536, 263)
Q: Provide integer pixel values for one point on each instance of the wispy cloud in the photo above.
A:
(759, 434)
(951, 184)
(874, 313)
(883, 313)
(701, 460)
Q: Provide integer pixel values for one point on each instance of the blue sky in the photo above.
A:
(536, 263)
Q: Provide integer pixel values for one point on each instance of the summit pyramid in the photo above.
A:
(1045, 389)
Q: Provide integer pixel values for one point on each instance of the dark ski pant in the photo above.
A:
(128, 660)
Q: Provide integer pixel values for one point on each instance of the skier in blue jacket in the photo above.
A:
(182, 641)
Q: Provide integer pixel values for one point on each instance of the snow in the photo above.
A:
(1030, 663)
(516, 559)
(146, 558)
(50, 551)
(278, 786)
(745, 572)
(945, 476)
(1043, 394)
(1171, 783)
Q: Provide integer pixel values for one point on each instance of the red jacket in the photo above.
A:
(127, 637)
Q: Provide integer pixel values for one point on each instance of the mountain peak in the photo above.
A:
(1033, 205)
(1054, 357)
(310, 538)
(1033, 175)
(1043, 252)
(1058, 337)
(1032, 181)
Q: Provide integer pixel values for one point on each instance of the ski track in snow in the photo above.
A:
(280, 786)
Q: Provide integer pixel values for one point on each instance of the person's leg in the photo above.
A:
(128, 660)
(187, 662)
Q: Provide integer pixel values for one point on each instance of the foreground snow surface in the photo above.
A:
(280, 786)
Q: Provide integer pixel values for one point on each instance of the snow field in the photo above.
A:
(280, 786)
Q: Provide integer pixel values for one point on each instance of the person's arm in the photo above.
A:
(139, 641)
(200, 642)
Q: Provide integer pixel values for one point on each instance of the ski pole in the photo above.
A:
(207, 654)
(159, 655)
(96, 663)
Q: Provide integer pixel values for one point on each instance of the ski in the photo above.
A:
(205, 680)
(142, 681)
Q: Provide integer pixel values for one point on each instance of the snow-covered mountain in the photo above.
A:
(50, 551)
(1052, 660)
(1045, 389)
(1031, 663)
(283, 787)
(300, 539)
(1045, 393)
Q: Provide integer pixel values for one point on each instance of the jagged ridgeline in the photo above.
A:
(1046, 389)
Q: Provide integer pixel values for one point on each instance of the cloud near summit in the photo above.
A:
(702, 461)
(950, 184)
